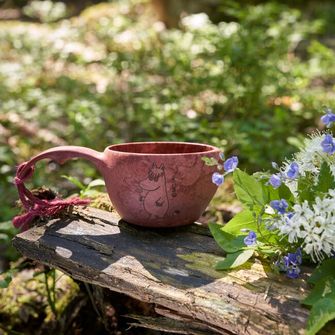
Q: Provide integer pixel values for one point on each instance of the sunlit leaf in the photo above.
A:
(234, 260)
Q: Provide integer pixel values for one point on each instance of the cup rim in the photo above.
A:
(208, 149)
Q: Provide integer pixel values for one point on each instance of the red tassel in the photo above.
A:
(35, 207)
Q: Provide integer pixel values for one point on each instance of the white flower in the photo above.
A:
(196, 21)
(309, 159)
(312, 225)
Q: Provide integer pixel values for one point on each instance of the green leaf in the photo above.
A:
(234, 260)
(326, 179)
(95, 183)
(284, 192)
(248, 190)
(323, 288)
(246, 220)
(269, 193)
(322, 297)
(326, 269)
(75, 181)
(4, 238)
(8, 228)
(4, 283)
(322, 312)
(210, 161)
(89, 193)
(228, 242)
(305, 189)
(267, 250)
(242, 220)
(7, 225)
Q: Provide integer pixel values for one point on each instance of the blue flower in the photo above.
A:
(290, 264)
(230, 164)
(293, 272)
(275, 180)
(328, 118)
(217, 178)
(293, 171)
(251, 238)
(279, 205)
(295, 258)
(328, 144)
(286, 263)
(289, 215)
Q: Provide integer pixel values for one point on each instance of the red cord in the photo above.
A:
(35, 207)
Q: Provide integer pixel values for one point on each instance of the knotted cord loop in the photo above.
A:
(35, 207)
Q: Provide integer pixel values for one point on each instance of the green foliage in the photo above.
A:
(305, 192)
(248, 190)
(113, 75)
(89, 190)
(326, 180)
(244, 219)
(50, 286)
(324, 183)
(322, 297)
(324, 288)
(323, 271)
(321, 312)
(7, 278)
(228, 242)
(283, 193)
(237, 252)
(235, 259)
(254, 196)
(7, 232)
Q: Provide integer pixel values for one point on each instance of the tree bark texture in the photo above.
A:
(174, 270)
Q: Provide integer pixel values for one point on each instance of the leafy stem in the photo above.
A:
(51, 291)
(259, 222)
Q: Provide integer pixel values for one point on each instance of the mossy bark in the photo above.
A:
(24, 304)
(173, 269)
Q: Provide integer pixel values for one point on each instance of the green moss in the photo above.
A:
(25, 299)
(21, 301)
(101, 200)
(67, 290)
(203, 262)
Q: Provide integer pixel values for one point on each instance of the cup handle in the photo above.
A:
(61, 155)
(36, 207)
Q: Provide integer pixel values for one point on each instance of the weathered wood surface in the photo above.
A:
(174, 270)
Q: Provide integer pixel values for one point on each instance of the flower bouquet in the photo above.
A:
(288, 219)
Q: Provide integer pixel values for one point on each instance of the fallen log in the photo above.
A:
(172, 269)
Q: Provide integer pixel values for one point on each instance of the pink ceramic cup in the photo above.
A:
(153, 184)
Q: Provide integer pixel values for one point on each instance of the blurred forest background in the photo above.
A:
(250, 77)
